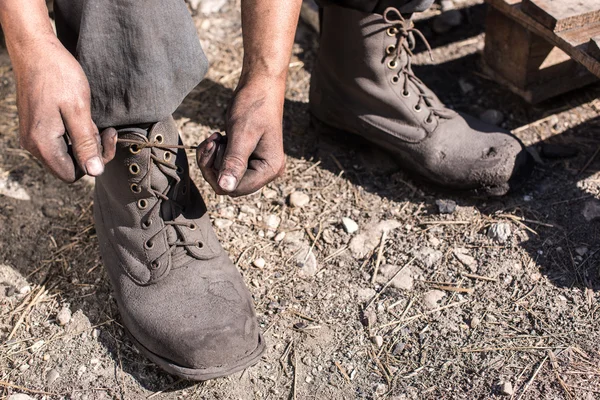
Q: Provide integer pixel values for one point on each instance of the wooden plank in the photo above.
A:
(560, 15)
(566, 41)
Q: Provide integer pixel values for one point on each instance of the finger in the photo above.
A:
(108, 139)
(235, 162)
(85, 138)
(205, 157)
(258, 174)
(54, 152)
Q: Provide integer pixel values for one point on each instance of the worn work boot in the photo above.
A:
(181, 299)
(363, 83)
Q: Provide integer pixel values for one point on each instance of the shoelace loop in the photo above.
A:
(163, 196)
(405, 32)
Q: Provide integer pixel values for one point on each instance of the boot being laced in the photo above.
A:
(175, 172)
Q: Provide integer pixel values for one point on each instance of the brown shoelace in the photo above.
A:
(162, 196)
(405, 32)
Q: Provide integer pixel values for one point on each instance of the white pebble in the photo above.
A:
(259, 263)
(349, 225)
(64, 316)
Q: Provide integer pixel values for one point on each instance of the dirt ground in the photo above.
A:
(498, 299)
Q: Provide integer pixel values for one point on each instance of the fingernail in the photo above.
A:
(94, 166)
(227, 182)
(209, 146)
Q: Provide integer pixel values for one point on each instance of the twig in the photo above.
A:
(32, 303)
(454, 289)
(532, 377)
(342, 371)
(335, 254)
(379, 255)
(389, 282)
(558, 378)
(483, 278)
(10, 385)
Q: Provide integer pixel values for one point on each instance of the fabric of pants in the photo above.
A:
(141, 58)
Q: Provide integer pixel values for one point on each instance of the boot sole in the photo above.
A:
(201, 374)
(321, 127)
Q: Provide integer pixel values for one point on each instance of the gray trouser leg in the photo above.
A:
(378, 6)
(141, 57)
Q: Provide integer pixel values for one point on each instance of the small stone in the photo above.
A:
(447, 5)
(365, 294)
(398, 348)
(368, 318)
(24, 367)
(25, 289)
(499, 231)
(527, 198)
(299, 199)
(10, 188)
(307, 264)
(259, 263)
(492, 117)
(475, 322)
(64, 316)
(46, 357)
(19, 396)
(36, 346)
(465, 259)
(279, 237)
(591, 210)
(582, 251)
(505, 388)
(96, 333)
(381, 389)
(81, 370)
(209, 6)
(269, 193)
(308, 379)
(446, 206)
(272, 222)
(429, 256)
(52, 376)
(223, 223)
(403, 280)
(377, 341)
(349, 225)
(432, 298)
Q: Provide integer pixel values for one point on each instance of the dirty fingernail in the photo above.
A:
(228, 183)
(94, 166)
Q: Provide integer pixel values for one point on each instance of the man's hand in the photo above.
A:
(253, 153)
(53, 95)
(53, 99)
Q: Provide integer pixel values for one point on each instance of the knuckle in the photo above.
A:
(234, 163)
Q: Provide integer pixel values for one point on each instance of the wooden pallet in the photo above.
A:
(543, 48)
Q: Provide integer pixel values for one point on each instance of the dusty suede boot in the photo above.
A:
(363, 83)
(180, 297)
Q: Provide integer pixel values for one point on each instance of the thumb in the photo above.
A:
(234, 163)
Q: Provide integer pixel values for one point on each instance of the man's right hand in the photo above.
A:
(53, 100)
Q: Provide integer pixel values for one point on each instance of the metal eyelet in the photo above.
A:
(392, 64)
(154, 265)
(167, 156)
(405, 93)
(417, 108)
(134, 148)
(142, 204)
(134, 169)
(159, 139)
(200, 245)
(149, 244)
(395, 79)
(193, 227)
(392, 31)
(135, 188)
(429, 120)
(390, 49)
(147, 224)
